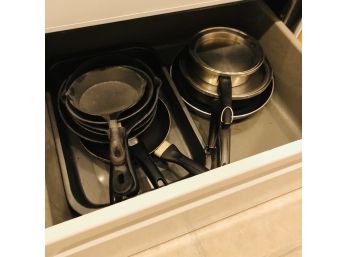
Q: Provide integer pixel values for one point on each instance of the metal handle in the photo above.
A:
(226, 117)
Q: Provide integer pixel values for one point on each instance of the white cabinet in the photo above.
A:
(269, 168)
(64, 15)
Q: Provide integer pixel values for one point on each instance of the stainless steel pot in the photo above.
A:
(222, 51)
(255, 85)
(224, 59)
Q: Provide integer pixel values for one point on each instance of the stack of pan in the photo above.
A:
(223, 74)
(112, 103)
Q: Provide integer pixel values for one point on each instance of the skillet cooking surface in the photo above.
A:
(107, 90)
(108, 97)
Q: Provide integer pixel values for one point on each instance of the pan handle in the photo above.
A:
(213, 127)
(139, 151)
(226, 117)
(121, 181)
(172, 154)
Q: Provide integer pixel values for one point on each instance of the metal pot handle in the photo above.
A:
(226, 117)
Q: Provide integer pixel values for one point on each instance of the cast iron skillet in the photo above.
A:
(154, 141)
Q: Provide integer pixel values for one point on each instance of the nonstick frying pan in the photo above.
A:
(154, 140)
(131, 125)
(107, 92)
(99, 132)
(135, 125)
(111, 60)
(104, 131)
(99, 122)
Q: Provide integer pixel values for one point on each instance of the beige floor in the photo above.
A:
(272, 229)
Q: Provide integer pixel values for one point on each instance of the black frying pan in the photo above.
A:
(100, 122)
(135, 125)
(154, 141)
(108, 92)
(109, 60)
(132, 124)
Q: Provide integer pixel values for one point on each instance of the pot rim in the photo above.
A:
(193, 53)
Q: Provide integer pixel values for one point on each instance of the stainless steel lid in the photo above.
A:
(224, 51)
(254, 85)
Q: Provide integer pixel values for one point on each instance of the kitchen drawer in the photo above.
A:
(266, 147)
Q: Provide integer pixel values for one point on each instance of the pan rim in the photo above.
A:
(152, 83)
(141, 87)
(199, 35)
(97, 138)
(267, 77)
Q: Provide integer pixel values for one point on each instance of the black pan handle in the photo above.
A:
(226, 117)
(139, 151)
(172, 154)
(225, 93)
(121, 180)
(213, 127)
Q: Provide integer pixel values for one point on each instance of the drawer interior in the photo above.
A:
(277, 124)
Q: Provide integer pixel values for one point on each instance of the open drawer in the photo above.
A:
(266, 148)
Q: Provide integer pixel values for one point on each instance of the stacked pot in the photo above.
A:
(223, 73)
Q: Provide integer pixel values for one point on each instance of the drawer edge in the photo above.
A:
(212, 196)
